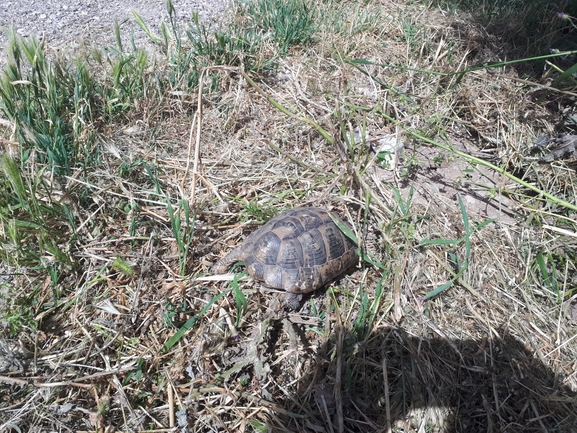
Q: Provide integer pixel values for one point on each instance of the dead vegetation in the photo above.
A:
(462, 318)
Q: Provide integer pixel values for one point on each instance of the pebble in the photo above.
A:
(65, 22)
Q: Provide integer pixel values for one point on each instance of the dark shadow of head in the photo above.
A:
(491, 385)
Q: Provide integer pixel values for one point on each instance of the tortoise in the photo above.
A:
(299, 251)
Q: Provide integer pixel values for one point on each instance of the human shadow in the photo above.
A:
(490, 385)
(517, 29)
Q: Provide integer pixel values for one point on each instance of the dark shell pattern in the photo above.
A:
(299, 251)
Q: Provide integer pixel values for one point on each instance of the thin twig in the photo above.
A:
(74, 382)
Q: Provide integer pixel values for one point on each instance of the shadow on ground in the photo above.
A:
(492, 385)
(517, 29)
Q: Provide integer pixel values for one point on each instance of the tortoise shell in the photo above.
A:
(299, 251)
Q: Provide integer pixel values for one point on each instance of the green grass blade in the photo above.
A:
(240, 299)
(117, 35)
(190, 322)
(365, 256)
(153, 177)
(549, 278)
(568, 74)
(450, 242)
(360, 325)
(12, 173)
(345, 229)
(467, 228)
(485, 223)
(142, 24)
(439, 289)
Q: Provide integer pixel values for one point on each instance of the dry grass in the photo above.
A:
(494, 352)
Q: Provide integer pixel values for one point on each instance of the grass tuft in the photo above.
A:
(32, 225)
(289, 23)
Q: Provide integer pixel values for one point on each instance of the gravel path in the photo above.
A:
(67, 24)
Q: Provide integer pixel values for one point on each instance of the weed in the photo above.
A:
(184, 70)
(290, 22)
(548, 271)
(567, 79)
(234, 48)
(182, 229)
(320, 316)
(240, 299)
(39, 101)
(258, 425)
(136, 374)
(402, 216)
(262, 213)
(410, 34)
(364, 255)
(32, 223)
(460, 266)
(16, 314)
(192, 321)
(204, 47)
(172, 312)
(122, 266)
(368, 310)
(132, 210)
(349, 20)
(53, 104)
(552, 268)
(128, 81)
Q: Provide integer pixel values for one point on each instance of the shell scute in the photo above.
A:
(266, 248)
